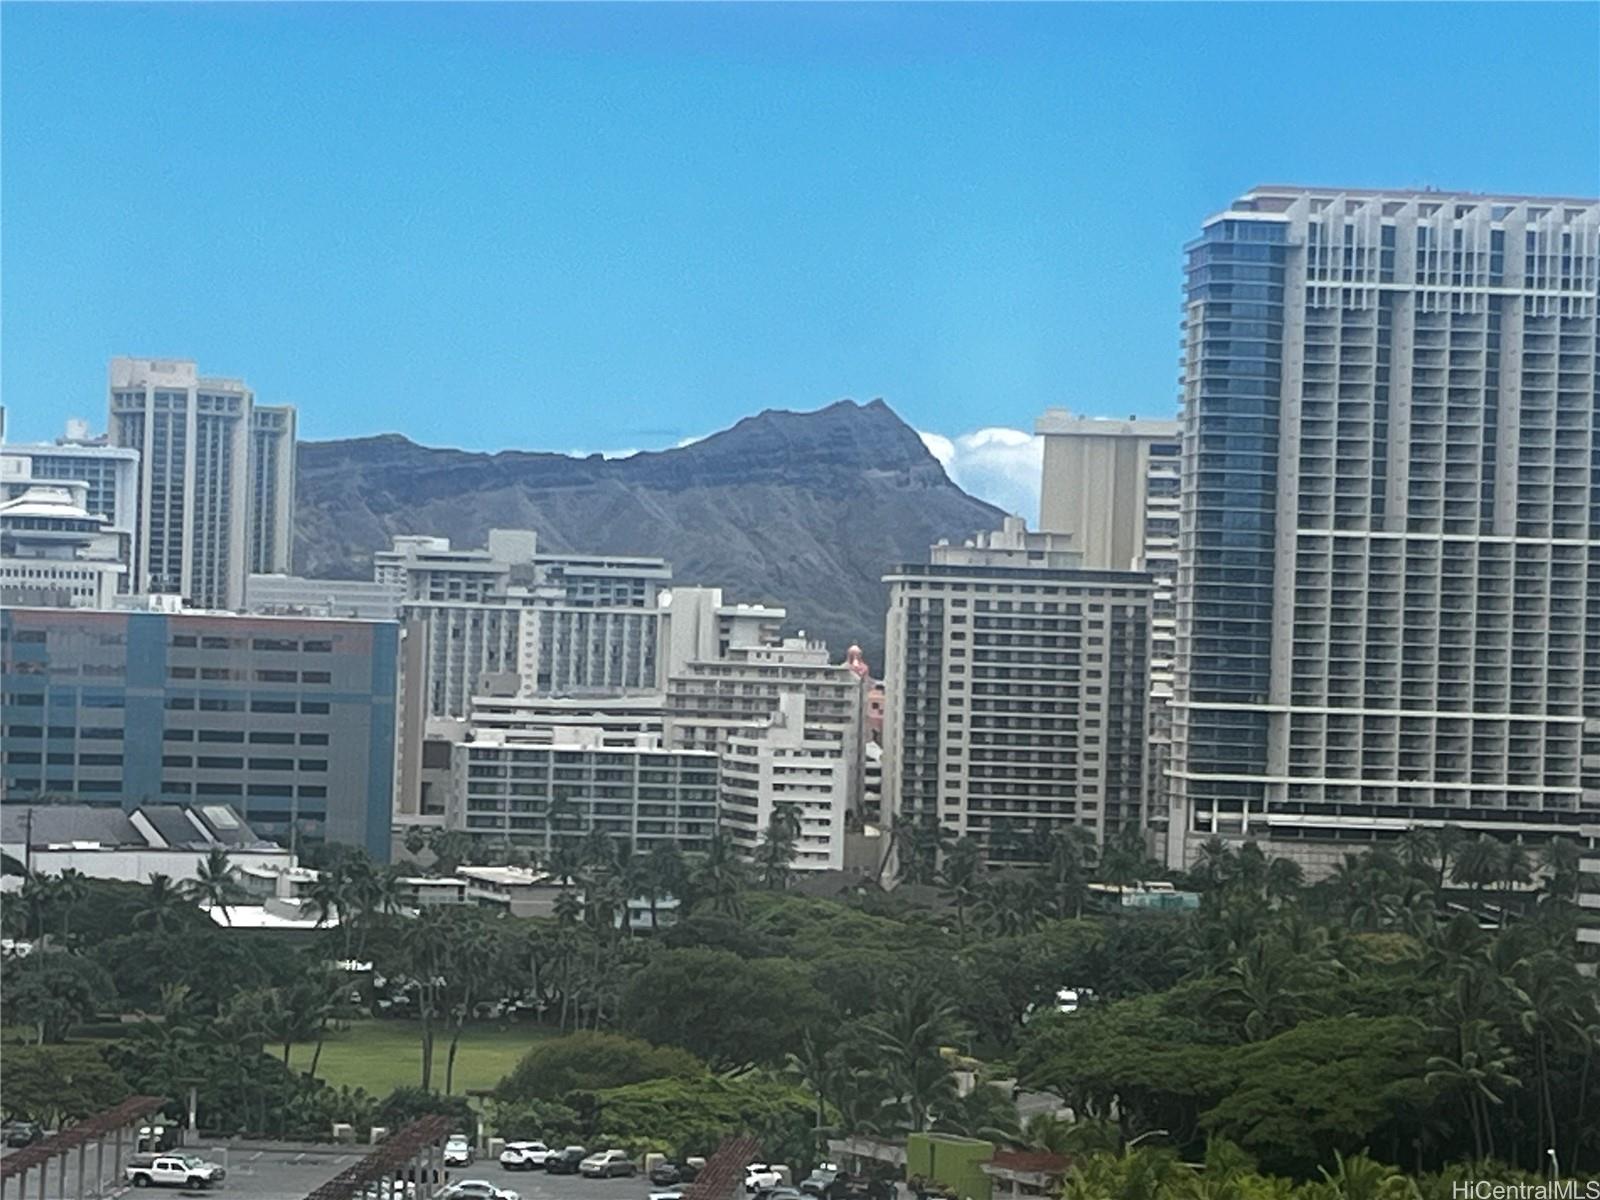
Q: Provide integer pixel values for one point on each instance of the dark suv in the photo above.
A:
(565, 1162)
(665, 1173)
(22, 1133)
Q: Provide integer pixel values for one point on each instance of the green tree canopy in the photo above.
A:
(1327, 1086)
(693, 1115)
(52, 1084)
(590, 1061)
(727, 1010)
(52, 991)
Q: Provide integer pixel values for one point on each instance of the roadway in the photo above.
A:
(287, 1173)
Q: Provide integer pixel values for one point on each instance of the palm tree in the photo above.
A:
(663, 875)
(568, 909)
(776, 850)
(1007, 906)
(213, 885)
(162, 906)
(1478, 863)
(1515, 870)
(71, 890)
(917, 842)
(423, 957)
(38, 900)
(1213, 864)
(475, 956)
(1478, 1066)
(1561, 860)
(1449, 841)
(598, 851)
(1419, 849)
(1123, 863)
(1070, 854)
(719, 877)
(1283, 879)
(813, 1070)
(333, 993)
(1265, 983)
(910, 1039)
(960, 876)
(1549, 1010)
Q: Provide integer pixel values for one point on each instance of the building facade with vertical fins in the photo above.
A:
(216, 480)
(1389, 560)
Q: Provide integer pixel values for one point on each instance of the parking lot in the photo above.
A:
(289, 1174)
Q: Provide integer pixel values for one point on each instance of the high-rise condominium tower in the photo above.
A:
(1015, 685)
(1114, 487)
(216, 480)
(1389, 580)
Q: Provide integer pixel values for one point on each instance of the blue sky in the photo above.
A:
(592, 227)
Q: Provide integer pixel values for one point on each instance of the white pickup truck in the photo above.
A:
(173, 1170)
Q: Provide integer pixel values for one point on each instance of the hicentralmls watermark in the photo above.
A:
(1557, 1189)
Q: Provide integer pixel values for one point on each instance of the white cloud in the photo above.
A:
(996, 464)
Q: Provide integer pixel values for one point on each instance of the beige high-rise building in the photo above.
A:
(1114, 487)
(1096, 483)
(1016, 688)
(216, 479)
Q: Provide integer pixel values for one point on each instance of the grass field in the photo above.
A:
(383, 1055)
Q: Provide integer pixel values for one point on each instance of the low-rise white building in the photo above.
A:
(534, 796)
(106, 843)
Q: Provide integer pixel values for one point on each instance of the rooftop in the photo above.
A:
(149, 827)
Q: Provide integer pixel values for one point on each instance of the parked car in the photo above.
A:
(606, 1163)
(22, 1133)
(666, 1194)
(760, 1177)
(820, 1180)
(173, 1170)
(666, 1172)
(565, 1162)
(524, 1156)
(457, 1150)
(476, 1189)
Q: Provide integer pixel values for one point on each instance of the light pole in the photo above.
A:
(1148, 1133)
(1555, 1165)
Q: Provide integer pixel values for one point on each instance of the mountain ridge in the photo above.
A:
(806, 509)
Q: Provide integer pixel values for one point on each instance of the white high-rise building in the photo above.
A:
(789, 726)
(508, 620)
(102, 479)
(272, 466)
(216, 492)
(700, 626)
(1389, 578)
(1016, 692)
(1114, 487)
(781, 765)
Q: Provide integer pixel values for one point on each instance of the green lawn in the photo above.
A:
(383, 1055)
